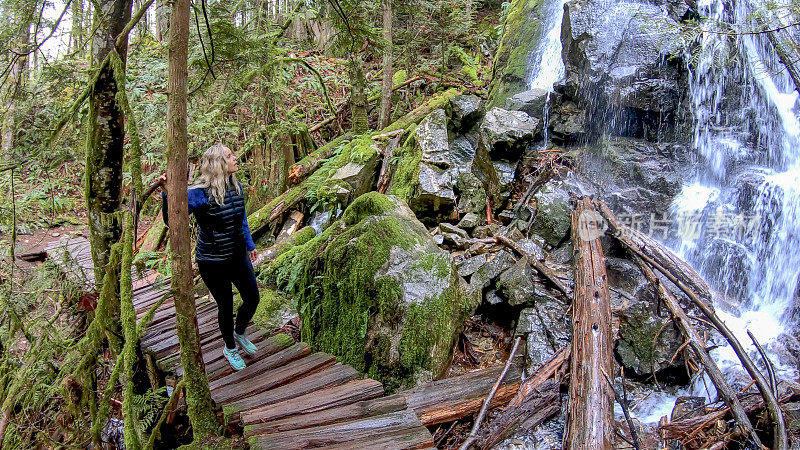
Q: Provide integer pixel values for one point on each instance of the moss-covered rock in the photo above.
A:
(273, 311)
(521, 33)
(376, 291)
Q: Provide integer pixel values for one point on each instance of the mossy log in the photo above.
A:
(154, 236)
(591, 399)
(266, 217)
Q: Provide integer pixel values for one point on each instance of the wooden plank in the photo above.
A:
(219, 366)
(263, 381)
(212, 353)
(334, 375)
(332, 397)
(404, 438)
(281, 358)
(455, 398)
(340, 433)
(355, 409)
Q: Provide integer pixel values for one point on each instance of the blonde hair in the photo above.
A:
(214, 173)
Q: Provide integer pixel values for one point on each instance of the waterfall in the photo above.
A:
(545, 60)
(741, 212)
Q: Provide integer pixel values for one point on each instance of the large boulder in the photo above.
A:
(506, 134)
(440, 168)
(375, 290)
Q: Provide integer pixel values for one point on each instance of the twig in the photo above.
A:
(624, 405)
(473, 435)
(779, 427)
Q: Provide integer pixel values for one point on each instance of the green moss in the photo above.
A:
(521, 33)
(406, 177)
(333, 280)
(399, 76)
(272, 308)
(437, 101)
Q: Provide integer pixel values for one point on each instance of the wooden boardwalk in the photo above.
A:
(287, 397)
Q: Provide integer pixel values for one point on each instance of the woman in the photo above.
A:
(225, 248)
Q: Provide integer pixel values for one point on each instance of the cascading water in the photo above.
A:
(547, 65)
(740, 215)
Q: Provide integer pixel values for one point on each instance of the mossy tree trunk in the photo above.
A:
(104, 145)
(198, 396)
(15, 81)
(358, 98)
(162, 19)
(386, 82)
(76, 32)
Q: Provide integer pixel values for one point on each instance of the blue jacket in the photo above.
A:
(224, 233)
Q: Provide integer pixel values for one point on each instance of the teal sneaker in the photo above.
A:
(245, 343)
(233, 357)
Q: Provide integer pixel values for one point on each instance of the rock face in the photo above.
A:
(375, 290)
(505, 134)
(615, 54)
(521, 33)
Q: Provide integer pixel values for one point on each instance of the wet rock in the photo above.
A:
(469, 221)
(635, 176)
(470, 265)
(647, 342)
(465, 111)
(532, 102)
(791, 413)
(516, 283)
(522, 31)
(620, 61)
(567, 123)
(547, 329)
(363, 277)
(496, 263)
(505, 134)
(728, 266)
(553, 212)
(449, 228)
(627, 282)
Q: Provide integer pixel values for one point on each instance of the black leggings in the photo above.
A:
(218, 276)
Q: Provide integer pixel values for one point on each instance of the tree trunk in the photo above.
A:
(198, 396)
(591, 399)
(388, 71)
(76, 33)
(162, 19)
(104, 148)
(14, 86)
(358, 98)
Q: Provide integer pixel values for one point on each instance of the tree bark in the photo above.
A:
(358, 98)
(591, 399)
(104, 147)
(76, 33)
(388, 71)
(15, 84)
(198, 396)
(162, 20)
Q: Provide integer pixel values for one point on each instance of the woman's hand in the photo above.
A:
(163, 180)
(252, 254)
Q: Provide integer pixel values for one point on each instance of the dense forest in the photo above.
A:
(470, 218)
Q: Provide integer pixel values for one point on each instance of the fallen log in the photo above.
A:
(591, 400)
(543, 403)
(387, 166)
(548, 370)
(458, 397)
(539, 266)
(654, 250)
(623, 234)
(313, 160)
(698, 347)
(289, 228)
(265, 217)
(476, 426)
(154, 236)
